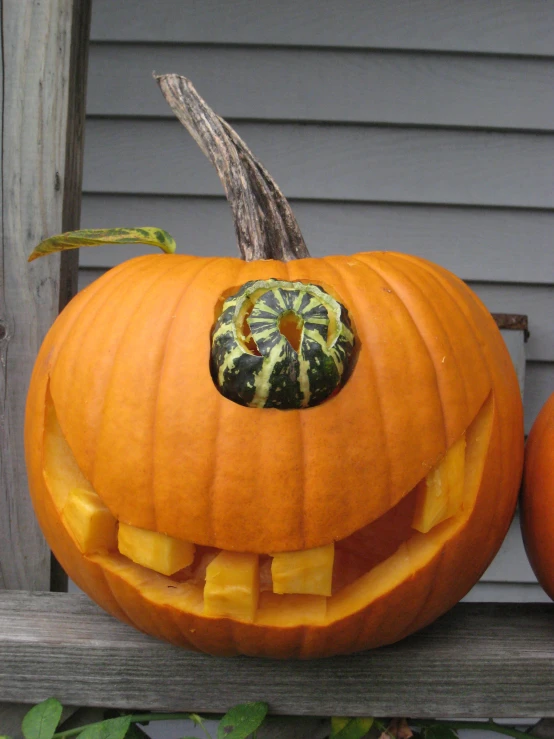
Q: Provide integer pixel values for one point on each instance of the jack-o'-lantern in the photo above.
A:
(537, 502)
(281, 455)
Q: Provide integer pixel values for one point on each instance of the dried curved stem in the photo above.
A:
(264, 223)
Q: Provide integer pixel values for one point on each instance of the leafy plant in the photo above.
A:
(243, 721)
(42, 720)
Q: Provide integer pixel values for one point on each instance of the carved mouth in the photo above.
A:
(314, 586)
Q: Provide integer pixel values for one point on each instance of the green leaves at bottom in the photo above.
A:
(241, 721)
(41, 721)
(436, 731)
(350, 728)
(112, 728)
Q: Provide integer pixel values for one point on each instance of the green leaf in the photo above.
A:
(439, 732)
(41, 721)
(101, 236)
(241, 721)
(112, 728)
(350, 728)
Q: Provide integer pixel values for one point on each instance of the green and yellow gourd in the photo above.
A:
(281, 344)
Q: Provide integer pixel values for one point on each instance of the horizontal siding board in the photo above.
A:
(356, 163)
(498, 26)
(328, 85)
(495, 245)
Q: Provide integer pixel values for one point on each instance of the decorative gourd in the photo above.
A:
(537, 502)
(302, 456)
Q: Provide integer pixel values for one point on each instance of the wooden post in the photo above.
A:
(43, 78)
(43, 61)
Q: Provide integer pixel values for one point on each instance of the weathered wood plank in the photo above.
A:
(474, 243)
(333, 162)
(335, 85)
(40, 182)
(501, 26)
(478, 660)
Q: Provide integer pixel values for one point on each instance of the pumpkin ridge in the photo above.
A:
(358, 302)
(423, 340)
(80, 327)
(202, 265)
(452, 285)
(338, 281)
(461, 375)
(241, 271)
(452, 288)
(431, 277)
(99, 430)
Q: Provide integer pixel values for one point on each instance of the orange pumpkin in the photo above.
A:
(537, 502)
(233, 525)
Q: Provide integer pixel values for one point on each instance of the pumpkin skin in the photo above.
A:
(537, 502)
(127, 369)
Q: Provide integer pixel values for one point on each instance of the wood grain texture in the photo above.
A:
(334, 85)
(483, 244)
(36, 122)
(478, 660)
(356, 163)
(501, 26)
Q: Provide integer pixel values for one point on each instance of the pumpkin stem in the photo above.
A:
(264, 222)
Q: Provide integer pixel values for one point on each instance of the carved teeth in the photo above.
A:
(308, 572)
(232, 586)
(440, 495)
(159, 552)
(92, 525)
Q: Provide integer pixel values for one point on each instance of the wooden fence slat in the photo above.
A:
(40, 181)
(478, 660)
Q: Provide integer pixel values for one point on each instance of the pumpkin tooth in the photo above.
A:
(92, 525)
(308, 572)
(440, 495)
(232, 586)
(159, 552)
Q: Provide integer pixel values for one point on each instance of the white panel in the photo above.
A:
(511, 563)
(356, 163)
(505, 26)
(328, 85)
(539, 384)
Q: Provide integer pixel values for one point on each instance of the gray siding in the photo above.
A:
(421, 126)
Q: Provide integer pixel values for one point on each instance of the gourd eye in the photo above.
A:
(280, 344)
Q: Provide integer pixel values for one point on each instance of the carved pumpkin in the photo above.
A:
(283, 456)
(537, 503)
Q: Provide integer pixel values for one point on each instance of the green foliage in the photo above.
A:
(242, 721)
(350, 728)
(436, 731)
(112, 728)
(42, 720)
